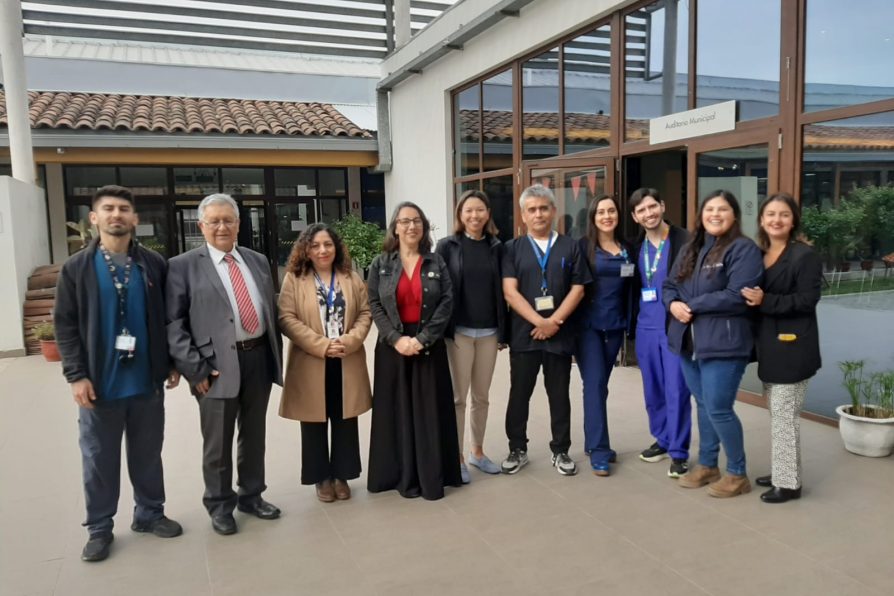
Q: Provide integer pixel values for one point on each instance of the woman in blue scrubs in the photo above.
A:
(602, 318)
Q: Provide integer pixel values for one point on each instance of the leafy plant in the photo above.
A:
(44, 331)
(871, 396)
(363, 239)
(876, 230)
(835, 233)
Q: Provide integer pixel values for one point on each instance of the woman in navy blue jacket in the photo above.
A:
(602, 318)
(711, 329)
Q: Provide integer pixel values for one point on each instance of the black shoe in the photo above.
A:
(677, 468)
(223, 524)
(764, 481)
(97, 547)
(260, 508)
(780, 495)
(613, 458)
(653, 454)
(161, 527)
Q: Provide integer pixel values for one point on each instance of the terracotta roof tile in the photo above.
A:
(154, 113)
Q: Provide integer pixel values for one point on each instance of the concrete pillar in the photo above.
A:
(669, 76)
(56, 211)
(402, 32)
(12, 58)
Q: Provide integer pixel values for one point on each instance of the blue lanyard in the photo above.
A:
(542, 259)
(650, 271)
(330, 296)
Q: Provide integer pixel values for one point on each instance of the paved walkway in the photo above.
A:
(635, 533)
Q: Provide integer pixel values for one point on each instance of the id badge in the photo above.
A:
(542, 303)
(650, 295)
(627, 269)
(332, 331)
(126, 343)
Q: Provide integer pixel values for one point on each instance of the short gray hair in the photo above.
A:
(536, 191)
(218, 199)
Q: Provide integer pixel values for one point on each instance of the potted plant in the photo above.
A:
(46, 334)
(867, 423)
(362, 238)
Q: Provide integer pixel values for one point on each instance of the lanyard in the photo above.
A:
(121, 285)
(542, 259)
(650, 271)
(330, 295)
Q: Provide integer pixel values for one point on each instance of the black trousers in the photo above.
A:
(141, 420)
(219, 418)
(523, 370)
(318, 462)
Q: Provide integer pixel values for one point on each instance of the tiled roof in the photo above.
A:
(817, 136)
(153, 113)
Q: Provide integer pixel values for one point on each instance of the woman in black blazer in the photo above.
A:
(787, 340)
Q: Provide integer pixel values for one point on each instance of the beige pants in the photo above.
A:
(472, 364)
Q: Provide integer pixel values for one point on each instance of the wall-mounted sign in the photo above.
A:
(718, 117)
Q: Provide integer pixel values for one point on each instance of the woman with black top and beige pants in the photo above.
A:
(477, 328)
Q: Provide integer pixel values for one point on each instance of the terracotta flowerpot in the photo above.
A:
(866, 265)
(50, 350)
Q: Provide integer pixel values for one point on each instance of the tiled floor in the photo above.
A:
(633, 533)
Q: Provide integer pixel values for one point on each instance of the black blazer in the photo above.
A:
(678, 237)
(451, 250)
(792, 289)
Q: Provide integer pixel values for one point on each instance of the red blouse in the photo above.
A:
(409, 295)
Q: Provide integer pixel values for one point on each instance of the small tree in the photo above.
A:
(363, 239)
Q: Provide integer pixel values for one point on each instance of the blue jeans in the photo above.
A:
(714, 383)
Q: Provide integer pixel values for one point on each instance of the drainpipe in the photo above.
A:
(383, 117)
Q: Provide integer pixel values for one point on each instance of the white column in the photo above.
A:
(12, 58)
(402, 31)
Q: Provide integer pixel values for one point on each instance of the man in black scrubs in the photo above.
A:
(543, 281)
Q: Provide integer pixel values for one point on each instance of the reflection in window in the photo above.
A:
(152, 231)
(499, 192)
(656, 54)
(196, 181)
(849, 53)
(333, 182)
(467, 130)
(243, 181)
(725, 72)
(77, 224)
(83, 181)
(496, 121)
(372, 197)
(298, 182)
(145, 181)
(586, 68)
(574, 190)
(540, 105)
(743, 172)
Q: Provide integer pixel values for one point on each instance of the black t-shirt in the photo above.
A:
(477, 306)
(565, 268)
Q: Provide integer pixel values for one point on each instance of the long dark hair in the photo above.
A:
(459, 227)
(691, 250)
(763, 241)
(299, 260)
(593, 231)
(392, 243)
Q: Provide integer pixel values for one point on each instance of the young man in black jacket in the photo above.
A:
(664, 388)
(110, 327)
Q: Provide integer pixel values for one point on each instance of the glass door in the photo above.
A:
(575, 185)
(290, 219)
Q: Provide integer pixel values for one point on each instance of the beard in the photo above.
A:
(118, 230)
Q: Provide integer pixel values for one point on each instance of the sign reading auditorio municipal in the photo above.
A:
(718, 117)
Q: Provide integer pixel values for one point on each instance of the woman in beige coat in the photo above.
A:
(324, 311)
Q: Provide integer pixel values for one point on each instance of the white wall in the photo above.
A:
(24, 246)
(420, 106)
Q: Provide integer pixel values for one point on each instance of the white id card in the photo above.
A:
(627, 269)
(332, 329)
(126, 343)
(650, 295)
(542, 303)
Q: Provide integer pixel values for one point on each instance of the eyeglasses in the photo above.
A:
(407, 222)
(222, 223)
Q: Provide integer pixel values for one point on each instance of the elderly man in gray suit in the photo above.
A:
(223, 337)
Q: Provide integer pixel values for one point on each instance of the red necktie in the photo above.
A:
(247, 313)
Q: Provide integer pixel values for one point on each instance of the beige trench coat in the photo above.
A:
(303, 393)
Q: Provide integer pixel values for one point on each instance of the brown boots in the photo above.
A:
(724, 487)
(699, 476)
(328, 491)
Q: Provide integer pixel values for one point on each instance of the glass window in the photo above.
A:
(496, 121)
(725, 72)
(153, 231)
(372, 197)
(849, 53)
(574, 189)
(83, 181)
(77, 224)
(467, 130)
(502, 202)
(656, 53)
(743, 172)
(540, 106)
(145, 181)
(333, 182)
(298, 182)
(587, 61)
(243, 181)
(196, 181)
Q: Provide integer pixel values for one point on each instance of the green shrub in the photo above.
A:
(363, 239)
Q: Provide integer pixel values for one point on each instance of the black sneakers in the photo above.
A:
(97, 547)
(677, 468)
(515, 461)
(162, 527)
(564, 464)
(653, 454)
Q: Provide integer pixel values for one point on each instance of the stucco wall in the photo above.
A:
(420, 106)
(24, 246)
